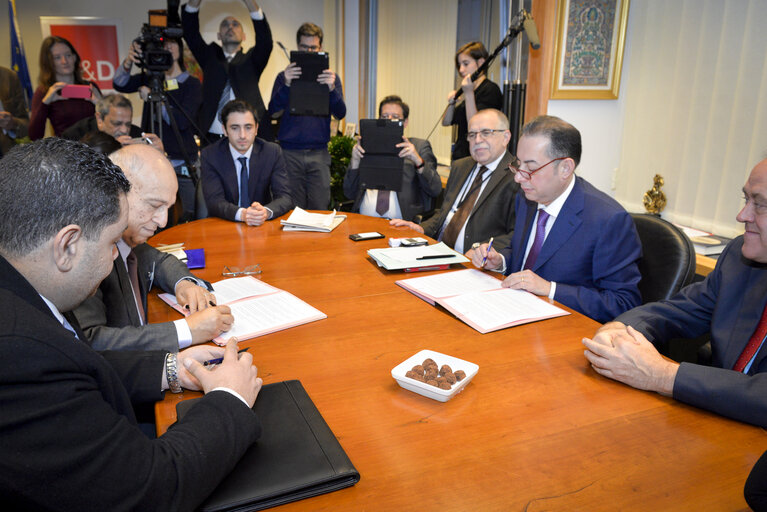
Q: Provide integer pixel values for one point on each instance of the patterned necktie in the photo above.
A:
(753, 344)
(382, 203)
(132, 263)
(244, 200)
(540, 234)
(450, 234)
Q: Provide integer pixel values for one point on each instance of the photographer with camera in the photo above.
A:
(229, 73)
(185, 92)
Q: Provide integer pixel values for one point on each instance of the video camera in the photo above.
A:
(163, 24)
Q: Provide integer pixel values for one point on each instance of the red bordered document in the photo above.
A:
(478, 299)
(258, 308)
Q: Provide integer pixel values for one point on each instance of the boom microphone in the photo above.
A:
(532, 32)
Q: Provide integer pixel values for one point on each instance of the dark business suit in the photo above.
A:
(243, 72)
(12, 96)
(728, 304)
(68, 434)
(267, 180)
(110, 319)
(591, 252)
(493, 213)
(418, 190)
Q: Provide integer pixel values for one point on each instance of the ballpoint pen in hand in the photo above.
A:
(489, 246)
(220, 360)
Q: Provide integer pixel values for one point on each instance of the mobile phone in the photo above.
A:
(75, 91)
(414, 242)
(372, 235)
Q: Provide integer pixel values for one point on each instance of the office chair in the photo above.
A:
(668, 258)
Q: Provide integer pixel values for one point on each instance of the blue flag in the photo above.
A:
(18, 58)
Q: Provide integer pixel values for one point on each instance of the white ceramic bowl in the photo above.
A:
(435, 393)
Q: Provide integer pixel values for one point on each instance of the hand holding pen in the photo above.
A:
(489, 248)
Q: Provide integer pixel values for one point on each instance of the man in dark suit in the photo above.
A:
(68, 433)
(14, 118)
(114, 317)
(114, 113)
(228, 72)
(730, 304)
(571, 243)
(420, 181)
(244, 177)
(479, 196)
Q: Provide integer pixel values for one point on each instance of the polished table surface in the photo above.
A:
(536, 429)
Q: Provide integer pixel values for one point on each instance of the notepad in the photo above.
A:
(258, 308)
(477, 299)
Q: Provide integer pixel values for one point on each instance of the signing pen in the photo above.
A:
(220, 360)
(489, 246)
(435, 256)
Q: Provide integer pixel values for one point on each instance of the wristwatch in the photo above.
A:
(171, 372)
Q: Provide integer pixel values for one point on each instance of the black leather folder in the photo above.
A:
(296, 457)
(307, 96)
(381, 168)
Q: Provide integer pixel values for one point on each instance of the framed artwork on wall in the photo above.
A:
(589, 42)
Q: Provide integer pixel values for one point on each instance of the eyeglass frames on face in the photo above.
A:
(247, 271)
(514, 168)
(485, 134)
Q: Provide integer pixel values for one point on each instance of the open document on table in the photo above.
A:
(301, 220)
(258, 308)
(478, 299)
(398, 258)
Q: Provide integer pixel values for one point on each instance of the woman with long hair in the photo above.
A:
(59, 67)
(477, 95)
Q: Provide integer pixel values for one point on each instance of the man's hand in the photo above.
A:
(237, 374)
(209, 323)
(255, 215)
(357, 154)
(407, 150)
(629, 358)
(529, 281)
(195, 4)
(199, 353)
(143, 92)
(156, 141)
(7, 122)
(406, 224)
(192, 297)
(328, 78)
(251, 5)
(291, 73)
(494, 259)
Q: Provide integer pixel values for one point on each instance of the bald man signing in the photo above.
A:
(115, 317)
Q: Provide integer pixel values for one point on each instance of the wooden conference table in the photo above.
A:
(537, 428)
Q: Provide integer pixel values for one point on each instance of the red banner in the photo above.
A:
(97, 46)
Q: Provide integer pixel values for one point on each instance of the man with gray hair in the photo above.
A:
(479, 196)
(68, 433)
(572, 243)
(113, 116)
(114, 318)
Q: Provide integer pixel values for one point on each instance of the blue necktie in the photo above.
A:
(540, 234)
(244, 200)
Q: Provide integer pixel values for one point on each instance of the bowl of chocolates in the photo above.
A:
(434, 375)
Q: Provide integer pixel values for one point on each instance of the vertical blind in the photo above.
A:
(415, 61)
(696, 107)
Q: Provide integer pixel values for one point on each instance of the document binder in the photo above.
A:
(296, 457)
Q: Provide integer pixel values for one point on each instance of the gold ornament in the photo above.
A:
(654, 199)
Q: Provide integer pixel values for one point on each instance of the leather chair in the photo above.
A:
(668, 258)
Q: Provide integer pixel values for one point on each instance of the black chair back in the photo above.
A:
(668, 258)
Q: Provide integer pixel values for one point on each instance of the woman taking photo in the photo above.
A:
(59, 67)
(477, 95)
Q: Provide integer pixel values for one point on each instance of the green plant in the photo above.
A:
(340, 149)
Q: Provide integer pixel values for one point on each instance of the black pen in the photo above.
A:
(220, 360)
(436, 256)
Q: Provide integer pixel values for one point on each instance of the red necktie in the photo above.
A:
(132, 264)
(753, 343)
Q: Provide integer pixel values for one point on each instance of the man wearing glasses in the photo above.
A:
(304, 139)
(572, 243)
(479, 196)
(114, 318)
(730, 304)
(420, 181)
